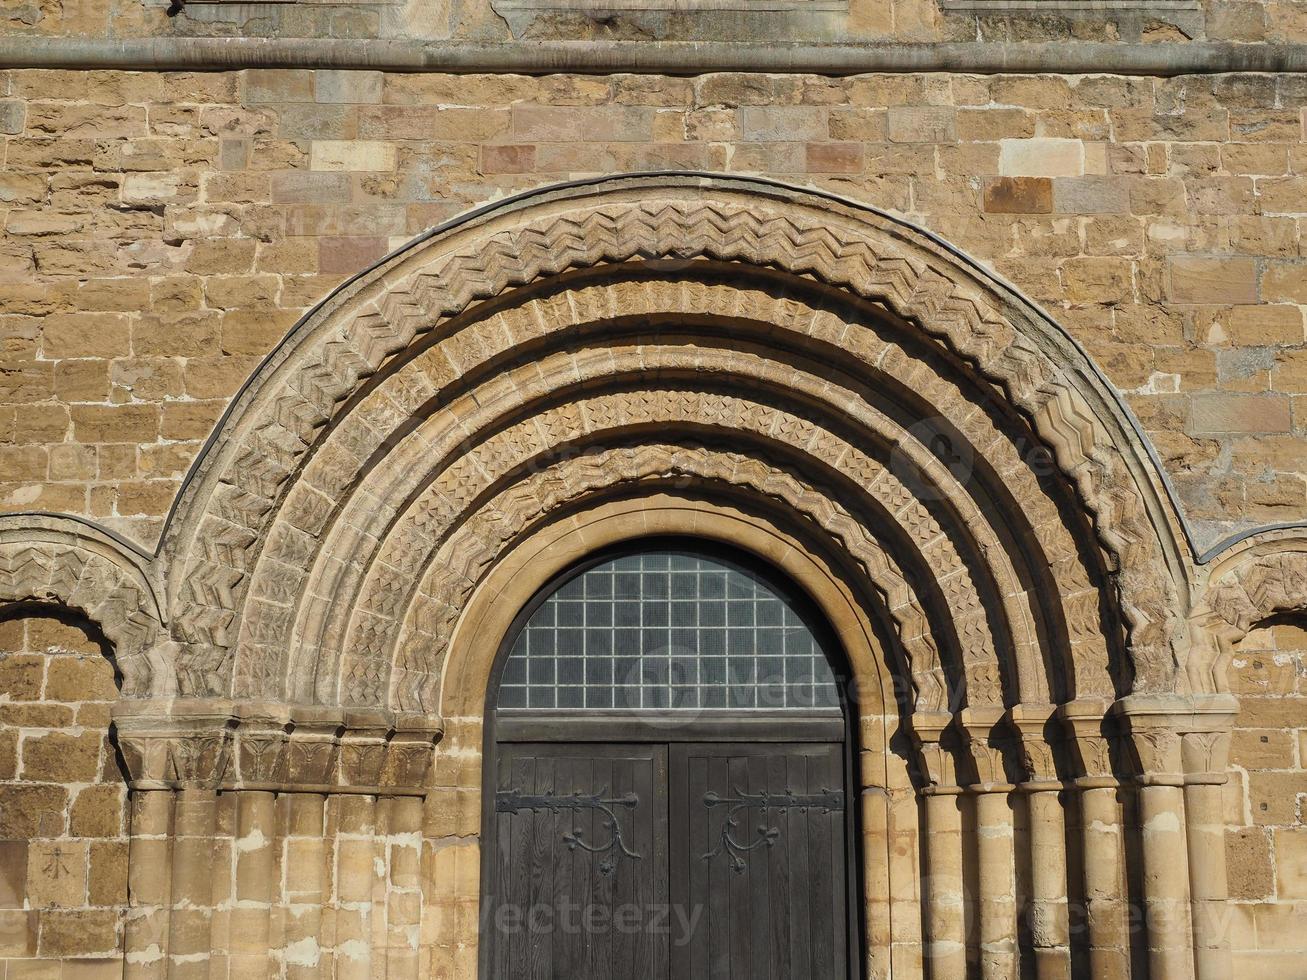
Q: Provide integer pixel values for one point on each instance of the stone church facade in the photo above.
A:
(335, 336)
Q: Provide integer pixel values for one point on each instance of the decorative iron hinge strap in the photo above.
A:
(826, 800)
(511, 801)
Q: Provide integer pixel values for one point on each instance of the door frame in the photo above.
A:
(724, 725)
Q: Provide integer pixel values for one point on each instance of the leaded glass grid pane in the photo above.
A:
(667, 629)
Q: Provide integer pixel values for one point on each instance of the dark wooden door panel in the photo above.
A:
(579, 877)
(758, 862)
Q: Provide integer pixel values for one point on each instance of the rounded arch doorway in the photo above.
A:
(668, 764)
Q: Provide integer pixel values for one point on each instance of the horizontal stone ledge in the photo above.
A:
(659, 57)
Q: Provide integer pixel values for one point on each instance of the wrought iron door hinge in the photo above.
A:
(825, 800)
(512, 801)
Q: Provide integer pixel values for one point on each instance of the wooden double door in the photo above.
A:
(667, 860)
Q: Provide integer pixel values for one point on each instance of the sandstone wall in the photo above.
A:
(163, 231)
(63, 830)
(1266, 840)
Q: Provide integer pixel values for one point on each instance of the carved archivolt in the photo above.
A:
(1253, 580)
(288, 421)
(797, 353)
(64, 561)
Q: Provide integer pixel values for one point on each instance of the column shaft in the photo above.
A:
(306, 863)
(148, 885)
(190, 938)
(997, 879)
(1208, 882)
(1049, 927)
(945, 925)
(1166, 882)
(1100, 823)
(256, 866)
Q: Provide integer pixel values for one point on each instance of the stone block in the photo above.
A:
(514, 158)
(28, 811)
(609, 124)
(278, 85)
(56, 874)
(98, 811)
(62, 757)
(78, 932)
(1291, 862)
(349, 86)
(1042, 157)
(21, 676)
(1018, 195)
(107, 875)
(352, 155)
(310, 187)
(834, 158)
(116, 423)
(1221, 413)
(1091, 195)
(921, 124)
(1223, 280)
(13, 874)
(798, 124)
(80, 678)
(18, 932)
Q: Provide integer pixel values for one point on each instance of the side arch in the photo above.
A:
(64, 561)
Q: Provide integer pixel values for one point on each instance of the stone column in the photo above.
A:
(190, 937)
(256, 881)
(1101, 840)
(945, 940)
(1156, 742)
(1204, 751)
(149, 880)
(987, 737)
(306, 863)
(1041, 789)
(873, 802)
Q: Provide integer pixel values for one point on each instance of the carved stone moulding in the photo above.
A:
(222, 745)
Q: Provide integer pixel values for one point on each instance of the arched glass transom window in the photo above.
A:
(668, 628)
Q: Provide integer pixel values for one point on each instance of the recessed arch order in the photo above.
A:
(750, 339)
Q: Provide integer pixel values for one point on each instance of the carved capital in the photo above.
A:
(936, 743)
(1090, 737)
(214, 745)
(988, 741)
(1036, 728)
(1179, 738)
